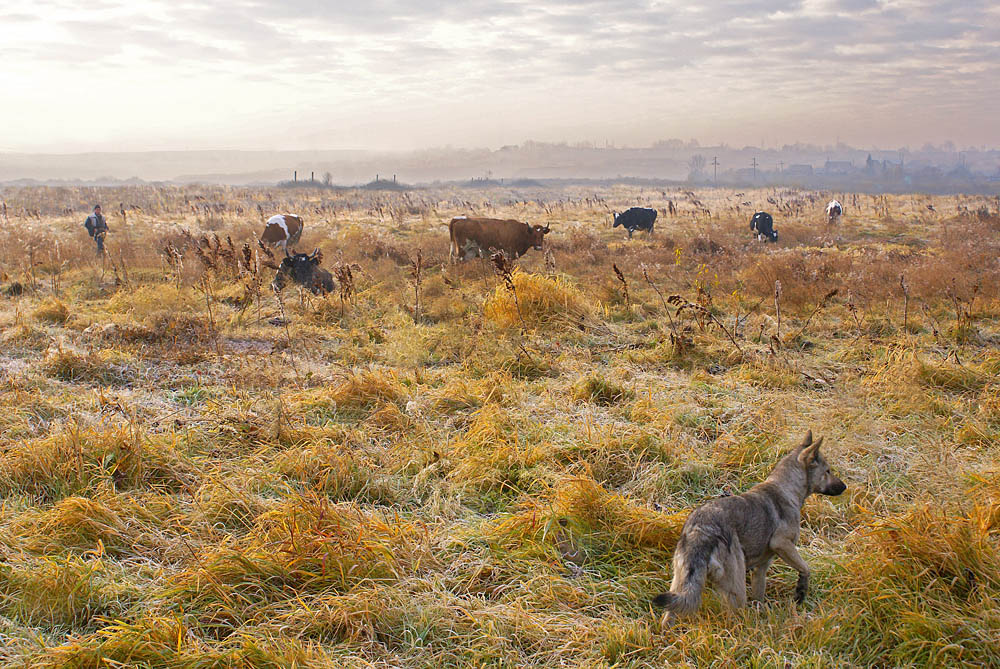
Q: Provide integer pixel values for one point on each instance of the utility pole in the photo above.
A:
(781, 166)
(715, 168)
(755, 168)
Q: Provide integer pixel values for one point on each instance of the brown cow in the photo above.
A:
(471, 237)
(282, 230)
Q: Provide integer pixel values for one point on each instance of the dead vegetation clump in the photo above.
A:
(364, 389)
(76, 461)
(63, 592)
(338, 474)
(92, 368)
(52, 310)
(600, 390)
(302, 549)
(541, 301)
(581, 503)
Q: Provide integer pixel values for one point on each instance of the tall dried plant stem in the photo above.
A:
(777, 307)
(663, 301)
(211, 316)
(288, 336)
(906, 300)
(416, 272)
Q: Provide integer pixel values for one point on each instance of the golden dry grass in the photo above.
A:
(194, 475)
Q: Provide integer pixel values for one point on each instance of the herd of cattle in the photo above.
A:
(471, 238)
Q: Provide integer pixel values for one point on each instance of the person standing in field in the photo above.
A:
(97, 227)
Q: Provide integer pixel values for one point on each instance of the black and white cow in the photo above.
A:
(834, 210)
(636, 218)
(304, 269)
(763, 224)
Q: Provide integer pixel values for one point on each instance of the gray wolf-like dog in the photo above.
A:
(729, 536)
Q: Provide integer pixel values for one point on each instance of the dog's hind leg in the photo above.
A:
(758, 580)
(729, 575)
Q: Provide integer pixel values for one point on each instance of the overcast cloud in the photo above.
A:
(385, 74)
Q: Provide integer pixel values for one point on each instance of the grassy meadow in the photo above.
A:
(451, 466)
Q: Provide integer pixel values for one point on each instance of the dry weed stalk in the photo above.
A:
(819, 307)
(271, 261)
(621, 277)
(206, 288)
(119, 270)
(345, 283)
(416, 273)
(854, 311)
(777, 308)
(503, 266)
(175, 261)
(935, 326)
(906, 300)
(666, 309)
(702, 312)
(288, 335)
(550, 261)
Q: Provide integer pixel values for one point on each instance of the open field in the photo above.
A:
(428, 472)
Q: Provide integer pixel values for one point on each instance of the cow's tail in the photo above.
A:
(691, 560)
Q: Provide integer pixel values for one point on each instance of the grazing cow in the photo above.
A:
(304, 270)
(282, 230)
(763, 224)
(834, 210)
(472, 237)
(636, 218)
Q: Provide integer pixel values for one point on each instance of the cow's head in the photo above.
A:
(616, 216)
(538, 235)
(298, 268)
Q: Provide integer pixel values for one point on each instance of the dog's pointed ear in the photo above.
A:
(808, 440)
(809, 453)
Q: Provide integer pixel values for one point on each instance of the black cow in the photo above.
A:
(304, 270)
(763, 224)
(636, 218)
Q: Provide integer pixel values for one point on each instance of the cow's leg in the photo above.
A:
(630, 233)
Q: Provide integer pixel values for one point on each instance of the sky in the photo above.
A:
(137, 75)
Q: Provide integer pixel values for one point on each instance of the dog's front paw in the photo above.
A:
(801, 587)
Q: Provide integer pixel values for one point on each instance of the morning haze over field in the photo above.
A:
(444, 335)
(397, 76)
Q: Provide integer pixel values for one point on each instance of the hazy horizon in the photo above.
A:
(153, 75)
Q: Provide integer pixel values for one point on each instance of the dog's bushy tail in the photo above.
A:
(691, 558)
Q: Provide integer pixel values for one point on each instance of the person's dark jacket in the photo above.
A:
(95, 224)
